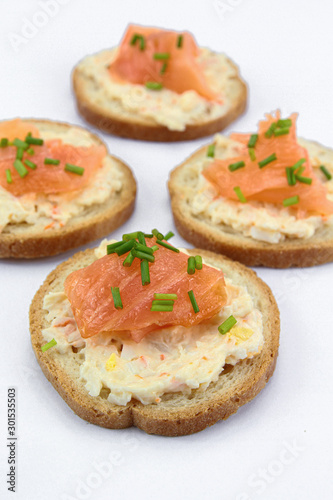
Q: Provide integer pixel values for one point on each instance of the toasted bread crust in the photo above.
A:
(79, 230)
(176, 414)
(136, 129)
(312, 251)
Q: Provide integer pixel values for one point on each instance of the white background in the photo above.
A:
(279, 445)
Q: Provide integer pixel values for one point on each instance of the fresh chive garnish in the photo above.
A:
(290, 176)
(141, 39)
(193, 302)
(165, 296)
(169, 235)
(252, 141)
(111, 248)
(166, 245)
(129, 260)
(281, 131)
(141, 238)
(267, 160)
(125, 247)
(148, 235)
(191, 265)
(20, 144)
(299, 163)
(74, 169)
(143, 248)
(211, 151)
(19, 153)
(161, 56)
(157, 234)
(34, 140)
(240, 195)
(116, 297)
(235, 166)
(4, 142)
(198, 262)
(30, 151)
(143, 255)
(145, 276)
(20, 168)
(164, 68)
(180, 41)
(270, 131)
(162, 302)
(304, 180)
(156, 308)
(284, 123)
(290, 201)
(154, 248)
(154, 85)
(130, 236)
(298, 171)
(252, 154)
(47, 346)
(30, 164)
(51, 161)
(9, 176)
(227, 325)
(325, 172)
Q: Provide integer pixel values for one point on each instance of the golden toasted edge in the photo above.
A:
(162, 419)
(290, 253)
(135, 130)
(80, 232)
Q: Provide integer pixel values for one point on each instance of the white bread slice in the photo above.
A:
(22, 240)
(176, 414)
(108, 114)
(222, 238)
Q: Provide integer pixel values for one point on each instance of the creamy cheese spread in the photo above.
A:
(175, 359)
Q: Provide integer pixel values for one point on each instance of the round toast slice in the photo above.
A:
(28, 241)
(222, 238)
(176, 414)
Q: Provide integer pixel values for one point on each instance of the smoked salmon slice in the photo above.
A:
(89, 292)
(270, 183)
(46, 179)
(161, 56)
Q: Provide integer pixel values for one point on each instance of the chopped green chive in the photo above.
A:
(141, 39)
(270, 131)
(4, 142)
(299, 163)
(47, 346)
(165, 296)
(116, 297)
(325, 172)
(164, 68)
(227, 325)
(252, 141)
(130, 236)
(240, 195)
(20, 168)
(235, 166)
(30, 164)
(162, 302)
(252, 154)
(290, 201)
(298, 171)
(211, 151)
(304, 180)
(161, 56)
(290, 176)
(267, 160)
(143, 248)
(125, 247)
(141, 238)
(166, 245)
(154, 248)
(180, 41)
(154, 85)
(169, 235)
(281, 131)
(74, 169)
(148, 235)
(157, 234)
(129, 260)
(191, 265)
(157, 308)
(145, 277)
(20, 144)
(284, 123)
(198, 262)
(51, 161)
(34, 140)
(111, 248)
(143, 255)
(30, 151)
(9, 176)
(193, 302)
(19, 153)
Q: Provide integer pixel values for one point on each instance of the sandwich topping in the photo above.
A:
(269, 186)
(47, 176)
(162, 75)
(153, 341)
